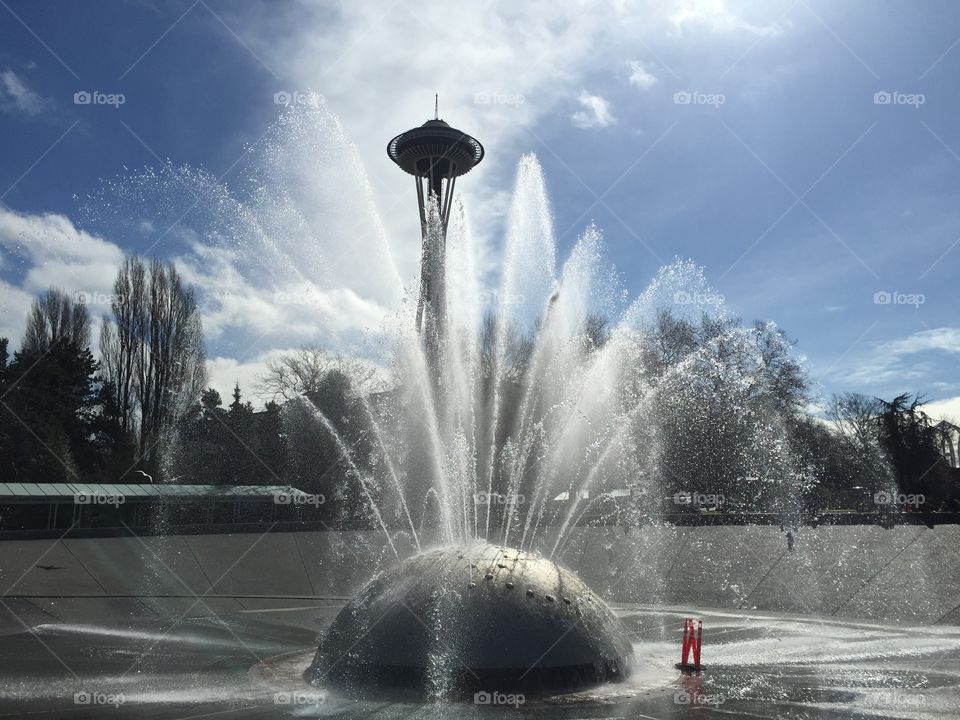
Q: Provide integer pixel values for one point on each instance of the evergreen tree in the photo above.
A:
(329, 473)
(202, 445)
(112, 450)
(272, 442)
(50, 401)
(242, 465)
(911, 442)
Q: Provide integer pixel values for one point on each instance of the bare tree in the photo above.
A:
(855, 420)
(55, 317)
(301, 372)
(671, 339)
(517, 349)
(787, 384)
(121, 340)
(596, 332)
(152, 351)
(171, 372)
(854, 417)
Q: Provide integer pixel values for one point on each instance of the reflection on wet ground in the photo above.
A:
(249, 665)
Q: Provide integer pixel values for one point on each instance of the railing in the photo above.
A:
(887, 520)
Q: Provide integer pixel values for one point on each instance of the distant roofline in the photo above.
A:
(142, 493)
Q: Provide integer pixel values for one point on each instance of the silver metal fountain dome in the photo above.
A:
(490, 618)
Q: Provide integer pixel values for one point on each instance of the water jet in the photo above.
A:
(560, 443)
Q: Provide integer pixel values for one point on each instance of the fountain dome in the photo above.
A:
(474, 618)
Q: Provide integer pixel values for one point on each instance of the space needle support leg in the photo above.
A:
(420, 204)
(423, 241)
(448, 203)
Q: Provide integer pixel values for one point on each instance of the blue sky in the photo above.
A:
(753, 137)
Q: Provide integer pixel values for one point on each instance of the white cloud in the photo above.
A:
(386, 91)
(946, 339)
(948, 410)
(15, 96)
(895, 361)
(44, 250)
(338, 271)
(641, 77)
(296, 311)
(377, 93)
(14, 304)
(224, 372)
(595, 113)
(716, 17)
(52, 251)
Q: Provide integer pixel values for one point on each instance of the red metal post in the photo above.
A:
(687, 640)
(697, 643)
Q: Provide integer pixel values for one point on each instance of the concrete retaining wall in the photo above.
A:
(907, 574)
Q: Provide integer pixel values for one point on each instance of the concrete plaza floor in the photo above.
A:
(248, 664)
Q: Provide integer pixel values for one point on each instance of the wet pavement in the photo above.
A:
(249, 665)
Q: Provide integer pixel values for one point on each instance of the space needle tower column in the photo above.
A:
(436, 155)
